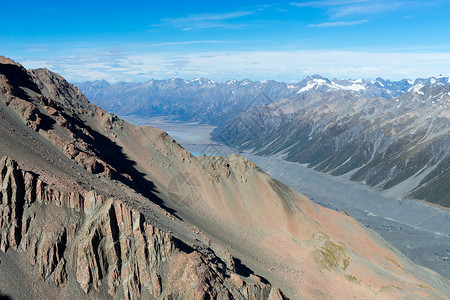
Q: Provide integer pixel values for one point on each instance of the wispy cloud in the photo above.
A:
(211, 16)
(343, 8)
(206, 20)
(368, 8)
(326, 3)
(256, 65)
(189, 43)
(338, 24)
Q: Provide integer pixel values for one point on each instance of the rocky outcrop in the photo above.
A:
(103, 242)
(46, 103)
(56, 87)
(220, 167)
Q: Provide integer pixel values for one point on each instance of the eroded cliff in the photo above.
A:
(104, 242)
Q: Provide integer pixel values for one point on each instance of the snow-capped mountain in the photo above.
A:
(400, 146)
(379, 87)
(317, 83)
(214, 102)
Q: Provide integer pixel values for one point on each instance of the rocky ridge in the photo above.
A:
(103, 241)
(88, 237)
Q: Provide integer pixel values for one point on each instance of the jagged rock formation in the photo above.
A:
(138, 216)
(105, 242)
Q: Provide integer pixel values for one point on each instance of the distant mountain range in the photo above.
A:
(392, 135)
(212, 102)
(400, 146)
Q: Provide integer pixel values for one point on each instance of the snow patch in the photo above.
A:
(316, 83)
(416, 88)
(320, 81)
(353, 87)
(307, 88)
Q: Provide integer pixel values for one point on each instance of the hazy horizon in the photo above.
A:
(242, 79)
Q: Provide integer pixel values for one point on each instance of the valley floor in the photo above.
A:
(420, 231)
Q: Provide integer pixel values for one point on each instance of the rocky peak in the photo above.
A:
(7, 61)
(15, 76)
(56, 87)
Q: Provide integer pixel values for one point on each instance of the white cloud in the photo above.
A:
(326, 3)
(206, 20)
(211, 16)
(188, 43)
(374, 7)
(343, 8)
(256, 65)
(339, 23)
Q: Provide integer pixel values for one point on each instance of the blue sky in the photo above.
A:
(286, 41)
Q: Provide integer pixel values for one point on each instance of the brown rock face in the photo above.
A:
(105, 242)
(56, 87)
(40, 100)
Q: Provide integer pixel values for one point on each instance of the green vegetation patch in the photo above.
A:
(394, 261)
(423, 286)
(391, 288)
(352, 278)
(331, 256)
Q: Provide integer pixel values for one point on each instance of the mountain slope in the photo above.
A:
(400, 146)
(335, 126)
(76, 228)
(93, 239)
(211, 223)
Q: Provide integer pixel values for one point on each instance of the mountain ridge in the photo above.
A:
(212, 102)
(400, 146)
(237, 212)
(354, 109)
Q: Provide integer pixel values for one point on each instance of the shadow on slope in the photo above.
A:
(18, 77)
(104, 148)
(241, 269)
(245, 271)
(111, 153)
